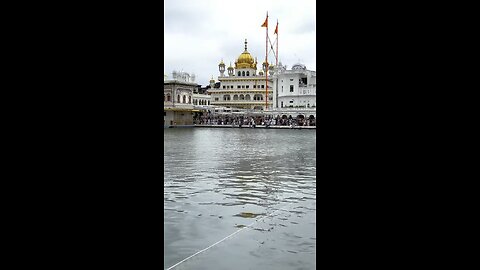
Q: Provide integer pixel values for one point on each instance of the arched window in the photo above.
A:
(235, 97)
(178, 99)
(168, 98)
(247, 97)
(239, 73)
(184, 99)
(242, 97)
(226, 97)
(248, 73)
(189, 99)
(243, 73)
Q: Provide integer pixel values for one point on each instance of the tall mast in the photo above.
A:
(276, 66)
(266, 66)
(276, 31)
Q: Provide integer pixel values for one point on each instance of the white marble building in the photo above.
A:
(178, 96)
(295, 88)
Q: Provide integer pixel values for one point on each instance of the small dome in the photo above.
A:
(221, 63)
(299, 66)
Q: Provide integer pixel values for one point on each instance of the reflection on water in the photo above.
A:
(219, 181)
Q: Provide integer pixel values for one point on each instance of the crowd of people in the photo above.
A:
(252, 121)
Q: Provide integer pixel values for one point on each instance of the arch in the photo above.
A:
(235, 97)
(242, 97)
(184, 99)
(258, 97)
(248, 73)
(247, 97)
(226, 97)
(178, 99)
(239, 73)
(284, 116)
(168, 97)
(243, 73)
(189, 99)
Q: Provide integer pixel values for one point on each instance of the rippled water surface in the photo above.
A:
(257, 183)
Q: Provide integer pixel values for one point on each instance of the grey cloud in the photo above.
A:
(198, 34)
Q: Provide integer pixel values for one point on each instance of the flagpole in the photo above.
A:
(276, 63)
(266, 66)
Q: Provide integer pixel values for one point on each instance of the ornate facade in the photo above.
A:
(243, 87)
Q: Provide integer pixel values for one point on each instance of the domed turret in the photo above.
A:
(265, 65)
(212, 82)
(230, 70)
(221, 67)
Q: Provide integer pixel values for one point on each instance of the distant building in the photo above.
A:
(178, 95)
(242, 87)
(295, 88)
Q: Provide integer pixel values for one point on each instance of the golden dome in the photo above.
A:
(245, 60)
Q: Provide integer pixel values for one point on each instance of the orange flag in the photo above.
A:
(265, 24)
(276, 29)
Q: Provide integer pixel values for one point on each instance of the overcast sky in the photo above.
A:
(200, 33)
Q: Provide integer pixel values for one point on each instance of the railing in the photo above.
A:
(233, 102)
(295, 109)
